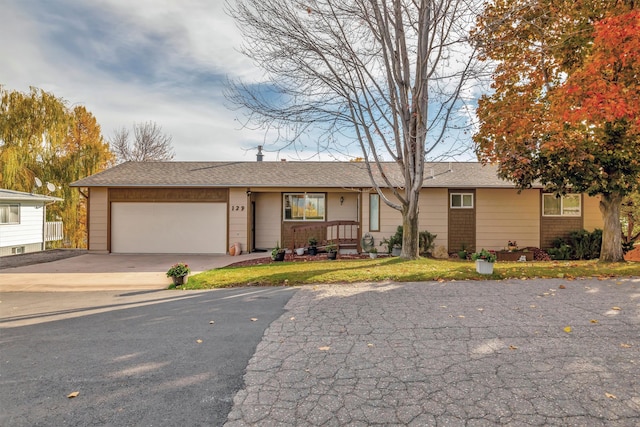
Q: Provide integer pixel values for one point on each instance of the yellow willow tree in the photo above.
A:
(41, 137)
(386, 76)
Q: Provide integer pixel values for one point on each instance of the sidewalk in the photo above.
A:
(106, 272)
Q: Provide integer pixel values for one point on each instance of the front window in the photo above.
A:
(304, 207)
(567, 205)
(9, 214)
(461, 200)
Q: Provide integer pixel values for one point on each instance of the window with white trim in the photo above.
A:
(567, 205)
(9, 214)
(304, 206)
(461, 200)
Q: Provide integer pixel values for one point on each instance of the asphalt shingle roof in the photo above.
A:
(278, 174)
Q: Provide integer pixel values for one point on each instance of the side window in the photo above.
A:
(461, 201)
(374, 212)
(567, 205)
(9, 214)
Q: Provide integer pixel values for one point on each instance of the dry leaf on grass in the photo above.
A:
(74, 394)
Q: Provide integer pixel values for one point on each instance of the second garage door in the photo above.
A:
(168, 228)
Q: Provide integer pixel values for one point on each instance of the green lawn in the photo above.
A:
(396, 269)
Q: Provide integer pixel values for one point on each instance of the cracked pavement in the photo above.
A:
(535, 352)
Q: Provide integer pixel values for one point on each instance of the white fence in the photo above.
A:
(53, 231)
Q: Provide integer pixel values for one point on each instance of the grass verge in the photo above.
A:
(399, 270)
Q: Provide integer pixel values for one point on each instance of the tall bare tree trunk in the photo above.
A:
(611, 250)
(410, 241)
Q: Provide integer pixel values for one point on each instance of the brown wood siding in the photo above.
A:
(168, 195)
(462, 225)
(552, 227)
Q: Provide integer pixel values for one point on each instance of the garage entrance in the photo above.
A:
(168, 227)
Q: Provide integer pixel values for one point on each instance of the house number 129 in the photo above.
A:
(237, 208)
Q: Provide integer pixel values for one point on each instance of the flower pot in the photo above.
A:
(484, 267)
(313, 250)
(332, 255)
(300, 251)
(373, 255)
(279, 256)
(180, 280)
(396, 251)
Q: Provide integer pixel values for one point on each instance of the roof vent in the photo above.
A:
(259, 156)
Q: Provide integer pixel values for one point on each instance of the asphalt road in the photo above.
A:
(135, 359)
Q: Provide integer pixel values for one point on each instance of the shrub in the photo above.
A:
(426, 242)
(580, 244)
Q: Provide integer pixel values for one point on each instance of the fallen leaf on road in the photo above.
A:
(567, 329)
(199, 341)
(211, 322)
(625, 345)
(593, 321)
(254, 319)
(292, 318)
(616, 308)
(562, 287)
(369, 345)
(74, 394)
(325, 348)
(513, 347)
(610, 396)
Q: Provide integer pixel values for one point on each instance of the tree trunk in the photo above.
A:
(410, 241)
(611, 250)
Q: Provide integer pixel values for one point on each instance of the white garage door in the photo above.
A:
(168, 228)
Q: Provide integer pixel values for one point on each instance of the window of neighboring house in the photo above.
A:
(374, 212)
(567, 205)
(9, 214)
(461, 200)
(304, 206)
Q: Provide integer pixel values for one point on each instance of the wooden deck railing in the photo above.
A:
(344, 234)
(53, 231)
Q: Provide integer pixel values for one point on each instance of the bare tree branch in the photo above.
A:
(149, 144)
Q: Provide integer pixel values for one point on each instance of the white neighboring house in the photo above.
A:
(23, 224)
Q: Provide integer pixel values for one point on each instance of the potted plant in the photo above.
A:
(373, 253)
(512, 246)
(313, 246)
(179, 273)
(277, 253)
(484, 261)
(332, 250)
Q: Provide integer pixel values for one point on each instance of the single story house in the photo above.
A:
(23, 224)
(206, 207)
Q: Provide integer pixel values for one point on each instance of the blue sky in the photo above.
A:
(129, 61)
(135, 61)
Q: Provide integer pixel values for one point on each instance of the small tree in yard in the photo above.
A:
(388, 76)
(566, 106)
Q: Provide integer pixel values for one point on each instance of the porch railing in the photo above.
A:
(53, 231)
(344, 234)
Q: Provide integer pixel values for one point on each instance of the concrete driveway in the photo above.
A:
(105, 272)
